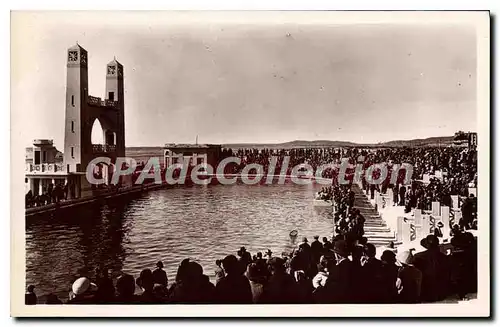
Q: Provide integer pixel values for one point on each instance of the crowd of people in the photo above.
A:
(456, 167)
(342, 269)
(52, 193)
(337, 270)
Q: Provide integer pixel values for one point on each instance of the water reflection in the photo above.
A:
(204, 223)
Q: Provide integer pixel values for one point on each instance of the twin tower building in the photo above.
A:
(82, 110)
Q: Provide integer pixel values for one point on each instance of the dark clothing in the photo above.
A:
(411, 282)
(389, 276)
(195, 292)
(435, 274)
(327, 246)
(463, 267)
(304, 291)
(133, 299)
(148, 297)
(160, 277)
(30, 298)
(83, 299)
(339, 285)
(280, 289)
(371, 280)
(233, 289)
(402, 192)
(317, 250)
(105, 290)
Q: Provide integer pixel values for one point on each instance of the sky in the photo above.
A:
(246, 82)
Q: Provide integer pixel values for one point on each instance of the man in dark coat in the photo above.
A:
(339, 285)
(409, 279)
(159, 275)
(316, 249)
(434, 266)
(234, 288)
(371, 272)
(395, 194)
(327, 245)
(281, 288)
(402, 193)
(463, 265)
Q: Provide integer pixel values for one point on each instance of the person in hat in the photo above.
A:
(339, 285)
(327, 245)
(316, 249)
(281, 287)
(105, 289)
(245, 258)
(371, 275)
(194, 288)
(434, 266)
(83, 292)
(30, 296)
(389, 277)
(409, 280)
(437, 230)
(463, 265)
(160, 275)
(234, 288)
(125, 289)
(146, 283)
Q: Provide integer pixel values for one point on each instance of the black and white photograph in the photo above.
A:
(250, 163)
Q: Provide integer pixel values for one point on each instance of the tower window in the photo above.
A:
(72, 153)
(73, 100)
(44, 156)
(111, 96)
(72, 126)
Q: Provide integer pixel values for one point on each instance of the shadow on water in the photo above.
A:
(63, 246)
(201, 223)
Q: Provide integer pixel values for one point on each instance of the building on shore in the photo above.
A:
(43, 166)
(194, 154)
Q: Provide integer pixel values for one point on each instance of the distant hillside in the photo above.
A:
(431, 141)
(143, 153)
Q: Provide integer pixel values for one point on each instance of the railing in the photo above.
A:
(96, 101)
(103, 148)
(44, 168)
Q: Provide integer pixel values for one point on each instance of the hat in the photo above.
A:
(316, 237)
(304, 239)
(268, 252)
(440, 224)
(405, 257)
(430, 242)
(159, 264)
(341, 248)
(82, 285)
(242, 249)
(276, 262)
(388, 256)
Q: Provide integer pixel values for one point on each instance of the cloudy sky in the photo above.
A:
(232, 82)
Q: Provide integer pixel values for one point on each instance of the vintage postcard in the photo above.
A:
(249, 164)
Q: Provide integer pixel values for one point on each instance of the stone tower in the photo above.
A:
(82, 110)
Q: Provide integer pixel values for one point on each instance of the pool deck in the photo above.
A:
(104, 196)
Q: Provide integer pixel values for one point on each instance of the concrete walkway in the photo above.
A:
(376, 230)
